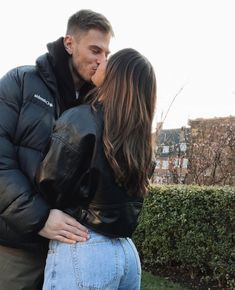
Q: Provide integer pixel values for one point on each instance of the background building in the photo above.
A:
(203, 153)
(212, 151)
(172, 156)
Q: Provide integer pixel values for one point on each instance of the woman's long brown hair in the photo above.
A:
(128, 94)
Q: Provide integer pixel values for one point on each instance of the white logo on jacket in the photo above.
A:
(43, 100)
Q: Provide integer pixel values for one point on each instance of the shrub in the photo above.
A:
(190, 228)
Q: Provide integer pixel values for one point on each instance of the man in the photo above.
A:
(31, 98)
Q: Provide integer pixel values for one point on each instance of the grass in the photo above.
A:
(151, 282)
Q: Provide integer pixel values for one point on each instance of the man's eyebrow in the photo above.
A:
(95, 46)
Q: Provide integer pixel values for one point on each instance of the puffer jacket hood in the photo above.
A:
(59, 59)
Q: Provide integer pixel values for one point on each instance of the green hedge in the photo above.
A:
(189, 228)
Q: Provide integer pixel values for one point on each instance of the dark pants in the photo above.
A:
(20, 269)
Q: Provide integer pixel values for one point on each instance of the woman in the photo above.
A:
(96, 170)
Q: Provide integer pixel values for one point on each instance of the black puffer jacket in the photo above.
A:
(27, 112)
(75, 176)
(28, 107)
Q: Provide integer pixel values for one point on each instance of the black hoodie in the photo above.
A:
(59, 59)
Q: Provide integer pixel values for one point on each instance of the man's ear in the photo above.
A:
(68, 41)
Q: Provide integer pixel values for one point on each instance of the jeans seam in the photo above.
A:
(126, 259)
(138, 265)
(53, 271)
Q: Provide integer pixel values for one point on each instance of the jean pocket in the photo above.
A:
(95, 264)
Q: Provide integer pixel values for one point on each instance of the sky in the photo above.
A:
(190, 44)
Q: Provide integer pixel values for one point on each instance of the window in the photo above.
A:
(165, 164)
(158, 164)
(185, 163)
(165, 149)
(183, 147)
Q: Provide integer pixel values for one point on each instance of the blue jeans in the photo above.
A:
(101, 263)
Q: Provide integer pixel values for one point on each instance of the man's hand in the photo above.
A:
(62, 227)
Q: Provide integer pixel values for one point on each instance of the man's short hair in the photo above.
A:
(87, 19)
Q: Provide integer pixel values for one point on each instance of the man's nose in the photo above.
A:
(102, 57)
